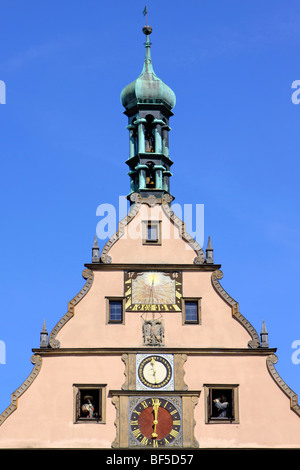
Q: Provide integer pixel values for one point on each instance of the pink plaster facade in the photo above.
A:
(86, 349)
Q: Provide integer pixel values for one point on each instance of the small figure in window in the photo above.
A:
(87, 407)
(149, 141)
(223, 406)
(150, 175)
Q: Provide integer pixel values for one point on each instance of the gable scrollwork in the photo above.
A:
(37, 361)
(137, 199)
(271, 360)
(89, 276)
(255, 341)
(200, 255)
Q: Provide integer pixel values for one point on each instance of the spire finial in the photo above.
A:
(209, 252)
(147, 29)
(44, 336)
(95, 251)
(264, 336)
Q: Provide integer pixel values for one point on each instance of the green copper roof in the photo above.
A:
(147, 88)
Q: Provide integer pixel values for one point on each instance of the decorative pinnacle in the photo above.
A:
(44, 336)
(264, 336)
(95, 251)
(209, 252)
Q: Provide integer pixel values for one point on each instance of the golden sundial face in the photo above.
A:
(153, 291)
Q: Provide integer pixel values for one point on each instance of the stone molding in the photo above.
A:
(37, 361)
(255, 341)
(166, 201)
(89, 276)
(136, 198)
(271, 360)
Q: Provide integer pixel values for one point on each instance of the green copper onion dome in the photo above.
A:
(147, 88)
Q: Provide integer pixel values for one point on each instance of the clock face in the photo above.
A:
(153, 291)
(156, 422)
(155, 371)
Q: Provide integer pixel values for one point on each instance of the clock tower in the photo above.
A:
(152, 353)
(148, 103)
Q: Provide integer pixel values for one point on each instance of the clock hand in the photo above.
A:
(156, 404)
(153, 368)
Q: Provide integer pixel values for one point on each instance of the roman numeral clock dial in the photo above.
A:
(156, 422)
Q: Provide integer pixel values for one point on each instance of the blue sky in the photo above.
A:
(234, 143)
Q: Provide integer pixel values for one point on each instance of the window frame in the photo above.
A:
(191, 299)
(108, 318)
(234, 390)
(145, 225)
(78, 391)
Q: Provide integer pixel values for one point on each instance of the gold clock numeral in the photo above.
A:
(176, 422)
(155, 443)
(136, 432)
(144, 441)
(144, 403)
(174, 433)
(134, 422)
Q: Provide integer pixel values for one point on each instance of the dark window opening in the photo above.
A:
(150, 176)
(149, 137)
(116, 311)
(152, 233)
(191, 311)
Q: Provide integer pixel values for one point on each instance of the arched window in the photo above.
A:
(149, 136)
(150, 175)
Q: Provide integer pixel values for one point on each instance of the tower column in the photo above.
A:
(157, 135)
(132, 174)
(166, 176)
(141, 134)
(142, 175)
(165, 139)
(158, 176)
(131, 129)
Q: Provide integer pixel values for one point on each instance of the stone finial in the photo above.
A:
(95, 251)
(44, 336)
(209, 252)
(264, 343)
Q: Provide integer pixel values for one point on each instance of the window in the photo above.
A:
(191, 310)
(115, 310)
(149, 136)
(151, 232)
(89, 403)
(221, 403)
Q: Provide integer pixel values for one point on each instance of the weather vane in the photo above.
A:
(145, 13)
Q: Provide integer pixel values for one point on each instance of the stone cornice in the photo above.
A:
(146, 267)
(186, 393)
(123, 350)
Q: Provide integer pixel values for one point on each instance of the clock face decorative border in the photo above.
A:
(154, 372)
(155, 421)
(153, 291)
